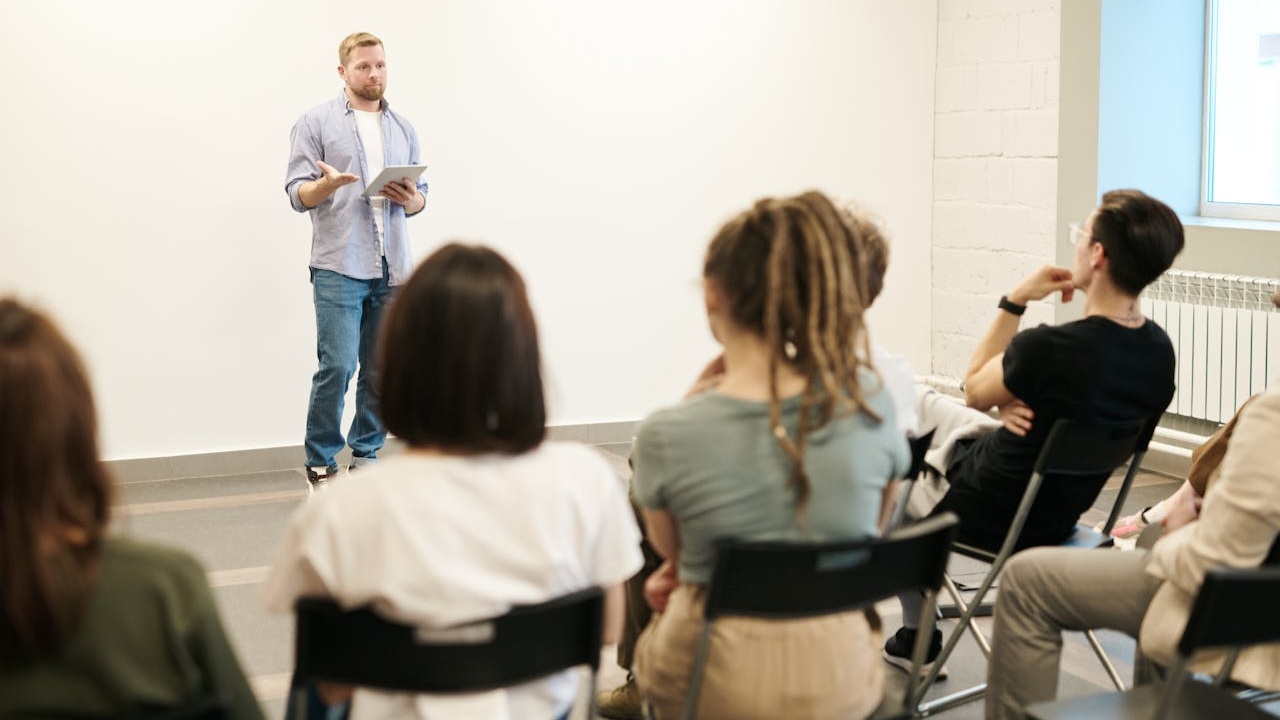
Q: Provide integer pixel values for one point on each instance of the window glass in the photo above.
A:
(1242, 163)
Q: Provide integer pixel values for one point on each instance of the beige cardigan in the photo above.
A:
(1237, 525)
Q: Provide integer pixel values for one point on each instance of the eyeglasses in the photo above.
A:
(1075, 233)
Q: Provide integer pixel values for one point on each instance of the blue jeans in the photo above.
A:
(347, 315)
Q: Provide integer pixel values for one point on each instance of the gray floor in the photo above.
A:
(232, 524)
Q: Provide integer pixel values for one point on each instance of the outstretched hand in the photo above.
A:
(333, 178)
(1044, 282)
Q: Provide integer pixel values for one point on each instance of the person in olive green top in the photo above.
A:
(90, 626)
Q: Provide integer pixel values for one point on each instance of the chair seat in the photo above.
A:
(1083, 537)
(1195, 701)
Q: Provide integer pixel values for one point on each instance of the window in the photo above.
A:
(1242, 110)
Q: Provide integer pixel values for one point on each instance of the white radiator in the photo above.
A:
(1226, 335)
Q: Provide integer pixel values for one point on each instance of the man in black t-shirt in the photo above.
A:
(1113, 364)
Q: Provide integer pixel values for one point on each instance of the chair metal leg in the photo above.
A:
(966, 620)
(952, 612)
(967, 613)
(918, 653)
(1106, 661)
(591, 695)
(942, 704)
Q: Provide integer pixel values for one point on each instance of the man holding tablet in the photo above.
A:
(359, 243)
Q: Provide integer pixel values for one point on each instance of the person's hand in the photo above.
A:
(335, 693)
(1185, 511)
(710, 377)
(1044, 282)
(333, 178)
(400, 192)
(1017, 417)
(659, 586)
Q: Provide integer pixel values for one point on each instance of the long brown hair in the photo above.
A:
(795, 272)
(55, 495)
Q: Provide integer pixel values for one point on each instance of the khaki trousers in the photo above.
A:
(814, 669)
(1044, 591)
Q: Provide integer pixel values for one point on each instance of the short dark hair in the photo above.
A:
(1140, 235)
(459, 368)
(54, 492)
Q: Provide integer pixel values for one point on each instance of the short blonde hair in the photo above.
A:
(353, 41)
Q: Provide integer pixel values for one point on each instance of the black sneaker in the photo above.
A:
(897, 651)
(318, 478)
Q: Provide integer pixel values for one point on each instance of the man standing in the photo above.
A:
(359, 245)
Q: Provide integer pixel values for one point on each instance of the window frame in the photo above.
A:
(1208, 208)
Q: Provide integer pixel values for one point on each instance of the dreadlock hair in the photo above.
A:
(795, 272)
(55, 495)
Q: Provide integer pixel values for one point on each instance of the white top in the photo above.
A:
(369, 125)
(901, 384)
(441, 541)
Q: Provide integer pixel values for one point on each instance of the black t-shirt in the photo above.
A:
(1087, 369)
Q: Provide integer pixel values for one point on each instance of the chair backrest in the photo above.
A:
(1091, 447)
(792, 580)
(361, 648)
(1074, 464)
(1234, 607)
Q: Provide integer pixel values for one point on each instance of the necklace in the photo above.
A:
(1123, 319)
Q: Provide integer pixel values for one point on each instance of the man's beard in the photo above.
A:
(372, 94)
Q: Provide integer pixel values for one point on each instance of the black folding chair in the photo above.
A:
(1234, 608)
(1073, 449)
(360, 648)
(787, 581)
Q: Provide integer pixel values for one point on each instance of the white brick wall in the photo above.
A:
(995, 164)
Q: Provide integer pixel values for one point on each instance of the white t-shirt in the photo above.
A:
(901, 384)
(369, 125)
(441, 541)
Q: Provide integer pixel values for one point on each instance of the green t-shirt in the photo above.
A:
(150, 637)
(714, 463)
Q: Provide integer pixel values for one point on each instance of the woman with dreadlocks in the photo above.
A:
(797, 441)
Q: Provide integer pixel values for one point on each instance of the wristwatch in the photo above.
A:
(1010, 306)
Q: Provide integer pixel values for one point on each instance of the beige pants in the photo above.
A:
(815, 669)
(1044, 591)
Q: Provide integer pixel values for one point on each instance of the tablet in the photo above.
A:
(392, 173)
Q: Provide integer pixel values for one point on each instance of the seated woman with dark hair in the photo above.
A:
(480, 514)
(797, 441)
(90, 625)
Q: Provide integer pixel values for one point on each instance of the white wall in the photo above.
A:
(996, 168)
(598, 144)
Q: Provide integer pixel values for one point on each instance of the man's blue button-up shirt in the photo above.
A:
(344, 238)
